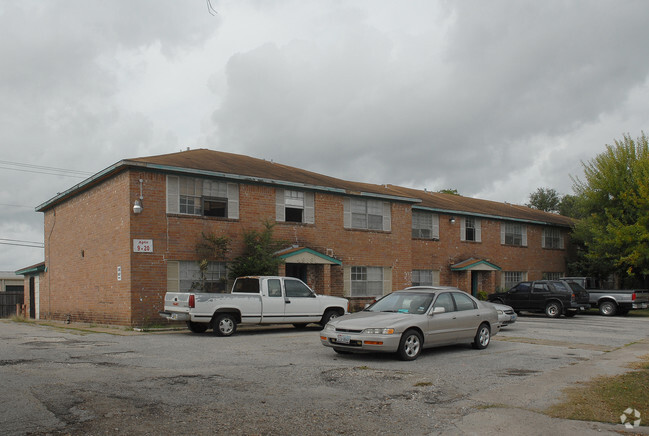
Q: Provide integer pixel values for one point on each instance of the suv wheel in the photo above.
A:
(553, 309)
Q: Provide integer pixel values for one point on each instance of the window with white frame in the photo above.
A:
(425, 225)
(425, 277)
(294, 206)
(470, 229)
(552, 275)
(513, 234)
(366, 281)
(360, 213)
(552, 238)
(204, 197)
(510, 278)
(186, 276)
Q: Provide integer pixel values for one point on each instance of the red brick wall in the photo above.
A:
(90, 235)
(86, 240)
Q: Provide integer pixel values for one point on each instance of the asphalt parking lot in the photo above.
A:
(281, 381)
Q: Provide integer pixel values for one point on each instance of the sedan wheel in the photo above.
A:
(410, 345)
(482, 337)
(553, 310)
(224, 325)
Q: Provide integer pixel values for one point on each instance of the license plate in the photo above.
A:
(343, 339)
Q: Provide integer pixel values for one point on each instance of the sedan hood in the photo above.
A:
(363, 320)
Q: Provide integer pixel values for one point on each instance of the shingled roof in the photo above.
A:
(245, 168)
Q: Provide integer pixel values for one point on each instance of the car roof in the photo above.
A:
(430, 288)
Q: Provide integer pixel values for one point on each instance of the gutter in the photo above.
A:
(484, 215)
(123, 164)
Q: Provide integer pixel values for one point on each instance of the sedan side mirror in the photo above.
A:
(438, 310)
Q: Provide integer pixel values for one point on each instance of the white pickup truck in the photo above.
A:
(253, 300)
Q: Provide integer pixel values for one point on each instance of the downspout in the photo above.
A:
(48, 269)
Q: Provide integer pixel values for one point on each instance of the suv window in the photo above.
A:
(521, 287)
(463, 301)
(560, 286)
(540, 288)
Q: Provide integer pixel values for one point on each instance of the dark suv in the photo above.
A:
(554, 297)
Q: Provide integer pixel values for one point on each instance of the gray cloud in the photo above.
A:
(492, 98)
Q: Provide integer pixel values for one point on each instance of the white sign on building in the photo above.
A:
(143, 245)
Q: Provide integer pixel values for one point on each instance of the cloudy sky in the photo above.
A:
(492, 98)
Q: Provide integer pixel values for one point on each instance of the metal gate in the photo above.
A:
(8, 301)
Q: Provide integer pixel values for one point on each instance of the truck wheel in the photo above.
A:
(608, 308)
(553, 310)
(482, 337)
(224, 325)
(410, 345)
(197, 327)
(328, 316)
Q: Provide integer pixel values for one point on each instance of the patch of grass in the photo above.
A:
(363, 368)
(421, 384)
(16, 318)
(640, 313)
(604, 399)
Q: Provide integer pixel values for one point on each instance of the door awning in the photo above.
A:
(306, 255)
(475, 265)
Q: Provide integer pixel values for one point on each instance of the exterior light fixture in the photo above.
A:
(451, 220)
(137, 206)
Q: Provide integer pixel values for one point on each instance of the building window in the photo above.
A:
(186, 276)
(203, 197)
(425, 225)
(367, 214)
(367, 281)
(425, 277)
(552, 275)
(513, 234)
(294, 206)
(511, 278)
(470, 229)
(552, 238)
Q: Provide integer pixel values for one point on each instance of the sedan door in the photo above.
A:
(442, 326)
(468, 317)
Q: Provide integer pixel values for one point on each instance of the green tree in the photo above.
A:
(614, 198)
(545, 199)
(258, 256)
(449, 191)
(208, 249)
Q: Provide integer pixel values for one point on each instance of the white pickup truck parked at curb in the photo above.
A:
(253, 300)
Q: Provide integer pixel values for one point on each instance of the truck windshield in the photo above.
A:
(247, 285)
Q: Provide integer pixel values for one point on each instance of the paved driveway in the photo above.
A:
(282, 381)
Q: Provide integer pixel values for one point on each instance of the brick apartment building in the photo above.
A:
(116, 242)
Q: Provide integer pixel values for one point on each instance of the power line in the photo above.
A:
(22, 243)
(41, 169)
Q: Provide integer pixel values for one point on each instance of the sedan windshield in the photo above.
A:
(403, 302)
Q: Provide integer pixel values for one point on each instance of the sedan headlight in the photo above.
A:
(329, 328)
(500, 312)
(378, 331)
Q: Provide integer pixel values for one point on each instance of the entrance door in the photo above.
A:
(32, 299)
(297, 270)
(474, 283)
